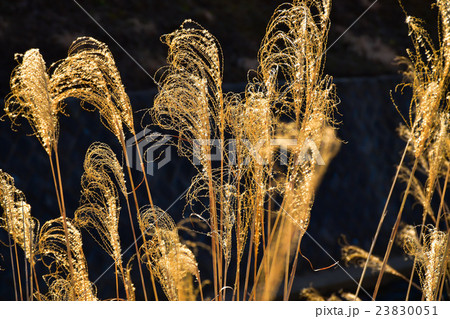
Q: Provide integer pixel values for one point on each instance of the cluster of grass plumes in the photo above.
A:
(255, 203)
(241, 189)
(426, 174)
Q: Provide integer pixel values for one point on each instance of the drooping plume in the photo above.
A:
(33, 96)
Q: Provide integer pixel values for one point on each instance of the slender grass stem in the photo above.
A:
(214, 230)
(286, 276)
(441, 204)
(12, 264)
(55, 182)
(63, 213)
(249, 258)
(266, 256)
(155, 293)
(150, 199)
(127, 162)
(27, 290)
(117, 280)
(394, 232)
(37, 282)
(444, 269)
(18, 271)
(239, 245)
(380, 223)
(294, 266)
(141, 161)
(200, 285)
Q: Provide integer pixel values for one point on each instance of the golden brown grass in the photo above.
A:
(254, 210)
(426, 133)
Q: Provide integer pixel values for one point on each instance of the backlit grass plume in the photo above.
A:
(90, 74)
(428, 70)
(17, 219)
(356, 255)
(427, 74)
(195, 51)
(294, 45)
(429, 259)
(100, 206)
(172, 262)
(52, 244)
(34, 97)
(101, 159)
(190, 102)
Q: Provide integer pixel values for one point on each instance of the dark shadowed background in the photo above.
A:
(354, 190)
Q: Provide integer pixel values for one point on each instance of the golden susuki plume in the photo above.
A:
(228, 221)
(182, 105)
(417, 189)
(171, 261)
(190, 102)
(349, 296)
(99, 205)
(236, 125)
(100, 158)
(435, 243)
(431, 162)
(408, 239)
(195, 51)
(311, 294)
(428, 70)
(33, 96)
(429, 257)
(355, 255)
(99, 209)
(17, 219)
(89, 73)
(190, 99)
(293, 48)
(52, 244)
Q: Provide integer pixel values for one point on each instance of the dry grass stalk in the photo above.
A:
(309, 100)
(429, 256)
(172, 262)
(34, 97)
(427, 71)
(356, 255)
(52, 243)
(100, 206)
(89, 73)
(191, 103)
(17, 219)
